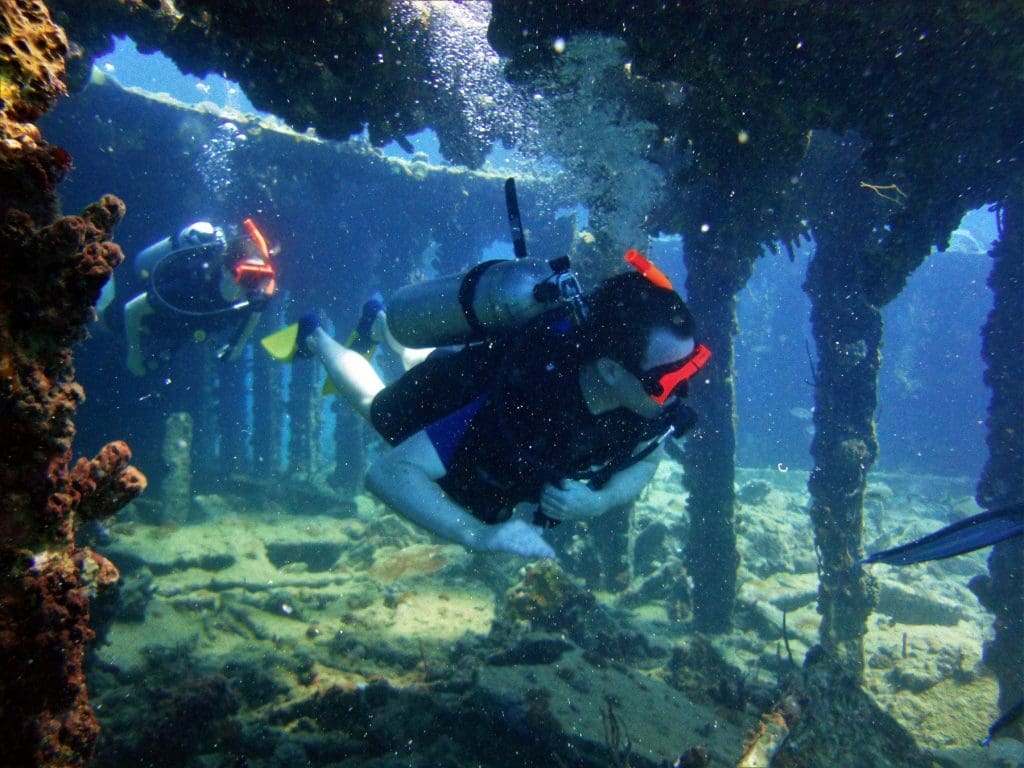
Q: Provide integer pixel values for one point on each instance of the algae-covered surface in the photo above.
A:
(270, 635)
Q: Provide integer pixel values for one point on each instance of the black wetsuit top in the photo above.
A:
(507, 418)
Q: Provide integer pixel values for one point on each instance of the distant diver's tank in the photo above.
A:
(492, 297)
(193, 236)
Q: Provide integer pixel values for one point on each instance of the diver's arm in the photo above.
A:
(578, 501)
(135, 311)
(625, 486)
(406, 478)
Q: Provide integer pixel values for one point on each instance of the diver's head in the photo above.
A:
(639, 336)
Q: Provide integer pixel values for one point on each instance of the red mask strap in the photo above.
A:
(669, 381)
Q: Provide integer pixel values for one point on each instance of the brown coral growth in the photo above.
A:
(49, 279)
(32, 53)
(51, 273)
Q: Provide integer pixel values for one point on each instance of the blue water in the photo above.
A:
(932, 398)
(930, 422)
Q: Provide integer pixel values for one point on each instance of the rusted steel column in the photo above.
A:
(717, 270)
(1002, 480)
(303, 413)
(847, 332)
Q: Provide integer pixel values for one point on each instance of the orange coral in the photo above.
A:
(32, 56)
(51, 273)
(33, 49)
(106, 483)
(410, 561)
(49, 279)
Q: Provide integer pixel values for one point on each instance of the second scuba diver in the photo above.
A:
(199, 281)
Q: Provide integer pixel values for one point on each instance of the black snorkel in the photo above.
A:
(514, 219)
(562, 286)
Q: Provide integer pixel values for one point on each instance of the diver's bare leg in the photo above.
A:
(351, 373)
(410, 356)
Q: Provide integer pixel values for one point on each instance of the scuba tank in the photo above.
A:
(197, 235)
(491, 298)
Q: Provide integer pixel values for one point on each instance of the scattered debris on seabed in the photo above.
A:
(260, 635)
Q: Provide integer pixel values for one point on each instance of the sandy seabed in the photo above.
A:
(291, 607)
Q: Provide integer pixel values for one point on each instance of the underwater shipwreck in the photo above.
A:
(193, 572)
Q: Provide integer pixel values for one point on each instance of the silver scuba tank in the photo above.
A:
(491, 297)
(193, 236)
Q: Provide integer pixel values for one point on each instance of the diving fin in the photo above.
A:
(281, 345)
(361, 339)
(959, 538)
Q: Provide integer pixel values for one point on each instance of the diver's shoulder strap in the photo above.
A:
(467, 295)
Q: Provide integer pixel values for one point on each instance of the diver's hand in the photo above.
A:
(571, 500)
(517, 537)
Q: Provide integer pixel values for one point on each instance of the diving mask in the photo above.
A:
(662, 381)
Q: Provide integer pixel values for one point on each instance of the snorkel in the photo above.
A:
(255, 271)
(643, 265)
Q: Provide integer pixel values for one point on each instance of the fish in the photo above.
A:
(967, 535)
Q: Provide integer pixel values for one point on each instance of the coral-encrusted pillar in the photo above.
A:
(51, 273)
(176, 488)
(267, 414)
(49, 279)
(847, 331)
(1002, 482)
(868, 243)
(304, 422)
(718, 266)
(847, 328)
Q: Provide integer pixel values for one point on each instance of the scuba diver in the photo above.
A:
(554, 403)
(201, 280)
(537, 400)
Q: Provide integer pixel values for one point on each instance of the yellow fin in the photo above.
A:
(280, 345)
(328, 388)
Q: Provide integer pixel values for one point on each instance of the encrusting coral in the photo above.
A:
(51, 273)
